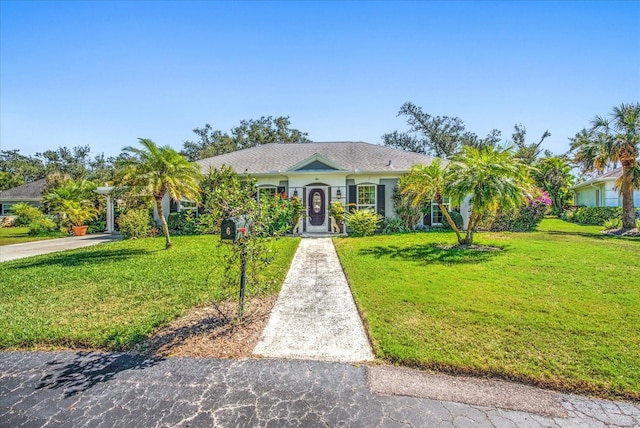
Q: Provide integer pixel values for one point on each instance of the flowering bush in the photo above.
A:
(524, 219)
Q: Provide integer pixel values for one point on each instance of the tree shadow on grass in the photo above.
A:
(434, 253)
(81, 257)
(87, 369)
(598, 236)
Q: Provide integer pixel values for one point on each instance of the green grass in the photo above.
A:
(558, 308)
(113, 295)
(18, 235)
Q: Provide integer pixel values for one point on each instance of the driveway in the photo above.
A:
(28, 249)
(74, 389)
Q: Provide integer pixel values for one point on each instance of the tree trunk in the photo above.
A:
(163, 221)
(628, 211)
(444, 212)
(468, 239)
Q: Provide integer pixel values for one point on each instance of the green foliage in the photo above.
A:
(596, 215)
(394, 225)
(492, 177)
(25, 214)
(612, 223)
(523, 219)
(440, 136)
(457, 220)
(553, 175)
(277, 214)
(183, 223)
(225, 195)
(611, 141)
(407, 212)
(42, 226)
(248, 134)
(527, 153)
(337, 211)
(152, 172)
(363, 222)
(72, 202)
(135, 223)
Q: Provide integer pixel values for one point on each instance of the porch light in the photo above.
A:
(295, 193)
(339, 194)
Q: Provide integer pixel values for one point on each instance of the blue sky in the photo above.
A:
(105, 73)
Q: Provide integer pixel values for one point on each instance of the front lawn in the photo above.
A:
(558, 308)
(113, 295)
(18, 235)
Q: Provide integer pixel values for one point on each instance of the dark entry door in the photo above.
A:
(316, 207)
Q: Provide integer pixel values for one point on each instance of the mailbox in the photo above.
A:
(234, 228)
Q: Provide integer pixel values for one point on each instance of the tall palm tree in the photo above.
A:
(615, 139)
(426, 183)
(492, 177)
(155, 171)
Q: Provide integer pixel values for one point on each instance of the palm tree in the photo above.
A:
(155, 171)
(553, 175)
(492, 177)
(614, 139)
(426, 183)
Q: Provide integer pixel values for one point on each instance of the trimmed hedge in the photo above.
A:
(596, 215)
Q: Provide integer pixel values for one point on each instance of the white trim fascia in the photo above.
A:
(593, 182)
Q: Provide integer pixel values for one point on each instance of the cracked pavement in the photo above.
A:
(62, 389)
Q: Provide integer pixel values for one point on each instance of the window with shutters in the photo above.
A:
(366, 197)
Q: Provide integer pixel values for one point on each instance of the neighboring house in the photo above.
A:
(600, 191)
(357, 174)
(30, 193)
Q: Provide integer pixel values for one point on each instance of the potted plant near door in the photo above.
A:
(78, 214)
(337, 211)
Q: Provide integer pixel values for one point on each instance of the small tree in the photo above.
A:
(492, 178)
(155, 171)
(424, 184)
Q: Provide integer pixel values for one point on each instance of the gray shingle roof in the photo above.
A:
(27, 191)
(614, 174)
(351, 156)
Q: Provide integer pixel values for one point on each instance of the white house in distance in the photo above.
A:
(600, 191)
(355, 173)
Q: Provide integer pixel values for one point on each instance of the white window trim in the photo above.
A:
(375, 197)
(446, 202)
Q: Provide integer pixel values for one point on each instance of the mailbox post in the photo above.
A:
(236, 229)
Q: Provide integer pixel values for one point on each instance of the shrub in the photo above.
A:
(363, 222)
(612, 223)
(457, 220)
(394, 225)
(525, 219)
(183, 223)
(596, 215)
(42, 226)
(25, 214)
(134, 223)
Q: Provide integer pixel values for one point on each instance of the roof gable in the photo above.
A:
(317, 162)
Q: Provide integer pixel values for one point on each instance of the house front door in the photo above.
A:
(316, 207)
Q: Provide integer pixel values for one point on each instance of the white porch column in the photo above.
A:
(110, 218)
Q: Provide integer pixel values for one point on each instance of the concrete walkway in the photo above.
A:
(315, 316)
(74, 389)
(36, 248)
